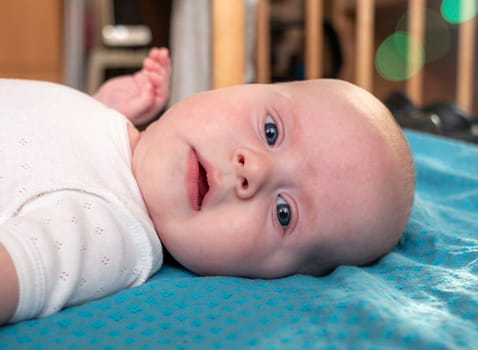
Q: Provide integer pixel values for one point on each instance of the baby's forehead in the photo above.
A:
(317, 111)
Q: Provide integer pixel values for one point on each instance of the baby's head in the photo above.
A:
(271, 180)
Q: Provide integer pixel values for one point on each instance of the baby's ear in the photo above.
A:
(316, 264)
(316, 270)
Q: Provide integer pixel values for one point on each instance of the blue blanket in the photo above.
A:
(423, 295)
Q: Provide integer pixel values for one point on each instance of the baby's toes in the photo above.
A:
(151, 65)
(161, 56)
(156, 78)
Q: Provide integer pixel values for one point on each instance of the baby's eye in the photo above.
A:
(283, 212)
(271, 131)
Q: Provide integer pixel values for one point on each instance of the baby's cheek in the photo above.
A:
(224, 236)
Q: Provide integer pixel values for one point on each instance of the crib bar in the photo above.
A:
(364, 40)
(263, 68)
(313, 38)
(416, 26)
(228, 23)
(466, 53)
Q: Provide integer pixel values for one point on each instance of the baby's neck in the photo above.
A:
(134, 135)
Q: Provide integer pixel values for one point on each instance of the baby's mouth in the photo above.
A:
(196, 181)
(203, 185)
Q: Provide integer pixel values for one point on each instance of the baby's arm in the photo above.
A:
(65, 248)
(8, 286)
(142, 95)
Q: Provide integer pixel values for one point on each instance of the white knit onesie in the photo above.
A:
(71, 214)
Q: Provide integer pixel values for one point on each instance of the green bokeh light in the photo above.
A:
(457, 11)
(436, 34)
(392, 61)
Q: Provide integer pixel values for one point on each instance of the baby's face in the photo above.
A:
(267, 180)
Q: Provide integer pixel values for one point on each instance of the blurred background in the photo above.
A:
(83, 42)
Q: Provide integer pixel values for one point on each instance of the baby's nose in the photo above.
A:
(252, 172)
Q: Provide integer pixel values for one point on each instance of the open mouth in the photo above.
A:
(196, 181)
(203, 185)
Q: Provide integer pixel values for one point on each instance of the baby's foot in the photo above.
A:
(154, 79)
(140, 96)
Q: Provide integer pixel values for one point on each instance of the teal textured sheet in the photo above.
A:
(423, 295)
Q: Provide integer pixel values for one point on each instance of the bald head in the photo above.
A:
(367, 182)
(301, 177)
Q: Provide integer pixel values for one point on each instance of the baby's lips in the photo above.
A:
(192, 180)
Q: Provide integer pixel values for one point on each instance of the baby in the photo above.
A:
(255, 181)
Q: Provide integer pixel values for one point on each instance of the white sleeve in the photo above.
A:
(69, 247)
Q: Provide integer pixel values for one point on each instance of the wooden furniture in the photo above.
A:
(355, 20)
(102, 56)
(228, 54)
(31, 39)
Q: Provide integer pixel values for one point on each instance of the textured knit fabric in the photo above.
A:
(71, 215)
